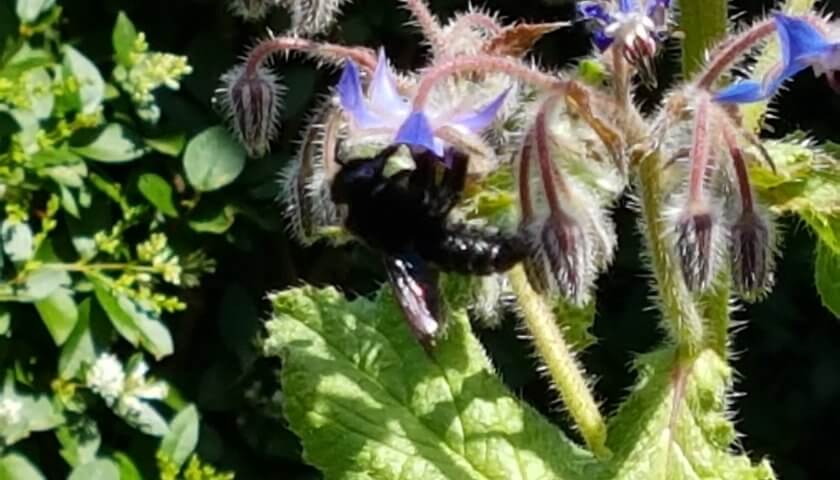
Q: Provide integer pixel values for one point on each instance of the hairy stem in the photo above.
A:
(325, 51)
(429, 25)
(704, 23)
(733, 50)
(561, 364)
(699, 153)
(677, 305)
(483, 64)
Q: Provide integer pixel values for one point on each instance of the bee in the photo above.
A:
(405, 216)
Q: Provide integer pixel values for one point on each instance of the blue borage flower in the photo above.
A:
(629, 22)
(803, 45)
(385, 112)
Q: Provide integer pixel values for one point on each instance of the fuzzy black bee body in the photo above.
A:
(405, 217)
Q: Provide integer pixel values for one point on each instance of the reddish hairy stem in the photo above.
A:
(428, 23)
(729, 52)
(552, 181)
(525, 180)
(741, 172)
(482, 64)
(265, 49)
(699, 151)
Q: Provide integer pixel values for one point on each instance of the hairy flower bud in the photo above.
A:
(697, 240)
(561, 261)
(752, 255)
(251, 102)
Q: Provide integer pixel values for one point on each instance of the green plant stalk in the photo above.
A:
(717, 313)
(562, 367)
(677, 306)
(753, 113)
(703, 22)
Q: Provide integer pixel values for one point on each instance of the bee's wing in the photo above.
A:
(415, 286)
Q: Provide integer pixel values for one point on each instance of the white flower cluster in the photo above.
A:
(10, 409)
(127, 392)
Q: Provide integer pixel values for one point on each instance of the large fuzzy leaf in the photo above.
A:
(652, 440)
(369, 402)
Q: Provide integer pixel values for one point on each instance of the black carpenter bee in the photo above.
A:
(405, 217)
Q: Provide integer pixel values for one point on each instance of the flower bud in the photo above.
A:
(560, 262)
(698, 234)
(752, 255)
(251, 102)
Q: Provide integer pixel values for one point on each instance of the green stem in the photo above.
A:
(703, 22)
(676, 303)
(716, 312)
(561, 364)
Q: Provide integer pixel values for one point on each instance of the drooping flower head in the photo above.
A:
(385, 112)
(805, 43)
(632, 28)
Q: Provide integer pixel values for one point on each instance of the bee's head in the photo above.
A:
(358, 176)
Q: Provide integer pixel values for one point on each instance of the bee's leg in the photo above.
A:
(448, 193)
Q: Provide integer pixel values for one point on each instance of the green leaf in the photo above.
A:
(212, 217)
(85, 342)
(43, 283)
(29, 10)
(123, 39)
(807, 183)
(91, 85)
(213, 159)
(143, 417)
(17, 240)
(80, 440)
(136, 324)
(128, 470)
(97, 217)
(171, 145)
(59, 313)
(827, 273)
(101, 469)
(182, 438)
(33, 413)
(158, 192)
(113, 144)
(352, 371)
(649, 440)
(120, 319)
(14, 466)
(38, 83)
(5, 320)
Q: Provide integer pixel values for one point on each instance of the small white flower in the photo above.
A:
(107, 378)
(10, 409)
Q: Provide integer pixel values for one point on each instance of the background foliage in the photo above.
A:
(788, 360)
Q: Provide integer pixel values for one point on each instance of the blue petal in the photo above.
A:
(627, 6)
(746, 91)
(602, 40)
(593, 11)
(417, 132)
(383, 90)
(799, 37)
(478, 121)
(352, 99)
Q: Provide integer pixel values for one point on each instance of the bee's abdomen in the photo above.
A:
(470, 250)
